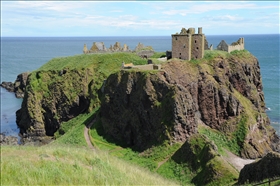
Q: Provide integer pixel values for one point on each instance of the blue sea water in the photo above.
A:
(25, 54)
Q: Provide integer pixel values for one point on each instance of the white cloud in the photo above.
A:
(135, 17)
(202, 8)
(226, 17)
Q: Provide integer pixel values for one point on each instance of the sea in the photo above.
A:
(26, 54)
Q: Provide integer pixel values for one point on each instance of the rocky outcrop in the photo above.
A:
(62, 89)
(139, 109)
(18, 87)
(9, 86)
(47, 105)
(265, 168)
(8, 140)
(202, 156)
(142, 108)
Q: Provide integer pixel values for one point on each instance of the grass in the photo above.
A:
(211, 54)
(156, 159)
(232, 143)
(158, 55)
(103, 61)
(67, 165)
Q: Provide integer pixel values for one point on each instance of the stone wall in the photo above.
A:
(181, 46)
(238, 45)
(197, 51)
(187, 45)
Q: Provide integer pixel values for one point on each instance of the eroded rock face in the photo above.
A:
(18, 87)
(140, 109)
(265, 168)
(43, 111)
(8, 140)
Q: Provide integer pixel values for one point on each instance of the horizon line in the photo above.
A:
(146, 35)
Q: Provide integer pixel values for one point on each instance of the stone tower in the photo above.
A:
(85, 50)
(187, 45)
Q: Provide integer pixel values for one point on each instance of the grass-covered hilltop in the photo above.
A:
(191, 122)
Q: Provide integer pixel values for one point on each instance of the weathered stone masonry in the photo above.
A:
(187, 45)
(238, 45)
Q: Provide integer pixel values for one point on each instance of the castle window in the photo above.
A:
(176, 38)
(180, 53)
(197, 48)
(184, 45)
(194, 41)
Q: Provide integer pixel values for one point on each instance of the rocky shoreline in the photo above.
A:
(18, 87)
(8, 140)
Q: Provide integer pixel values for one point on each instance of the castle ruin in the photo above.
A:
(100, 47)
(238, 45)
(187, 45)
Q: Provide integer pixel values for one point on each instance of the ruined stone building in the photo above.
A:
(187, 45)
(238, 45)
(100, 47)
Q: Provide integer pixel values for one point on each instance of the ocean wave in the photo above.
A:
(268, 109)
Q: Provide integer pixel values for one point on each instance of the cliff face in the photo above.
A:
(18, 87)
(265, 168)
(144, 108)
(140, 109)
(51, 98)
(62, 89)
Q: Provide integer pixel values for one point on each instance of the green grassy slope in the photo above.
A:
(68, 165)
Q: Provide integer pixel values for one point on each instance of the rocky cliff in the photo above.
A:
(62, 89)
(207, 105)
(265, 168)
(18, 87)
(140, 109)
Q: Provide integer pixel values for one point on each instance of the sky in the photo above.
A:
(137, 18)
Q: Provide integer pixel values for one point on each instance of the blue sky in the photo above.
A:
(135, 18)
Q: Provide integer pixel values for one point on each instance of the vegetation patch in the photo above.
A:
(212, 54)
(67, 165)
(233, 142)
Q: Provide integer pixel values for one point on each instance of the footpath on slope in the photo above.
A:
(237, 162)
(86, 134)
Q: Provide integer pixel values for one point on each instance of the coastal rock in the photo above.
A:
(140, 109)
(42, 112)
(9, 86)
(265, 168)
(202, 156)
(20, 84)
(18, 87)
(8, 140)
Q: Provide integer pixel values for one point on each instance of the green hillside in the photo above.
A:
(70, 165)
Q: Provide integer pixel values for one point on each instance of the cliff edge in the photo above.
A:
(141, 109)
(208, 106)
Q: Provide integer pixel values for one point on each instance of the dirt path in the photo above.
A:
(86, 134)
(236, 161)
